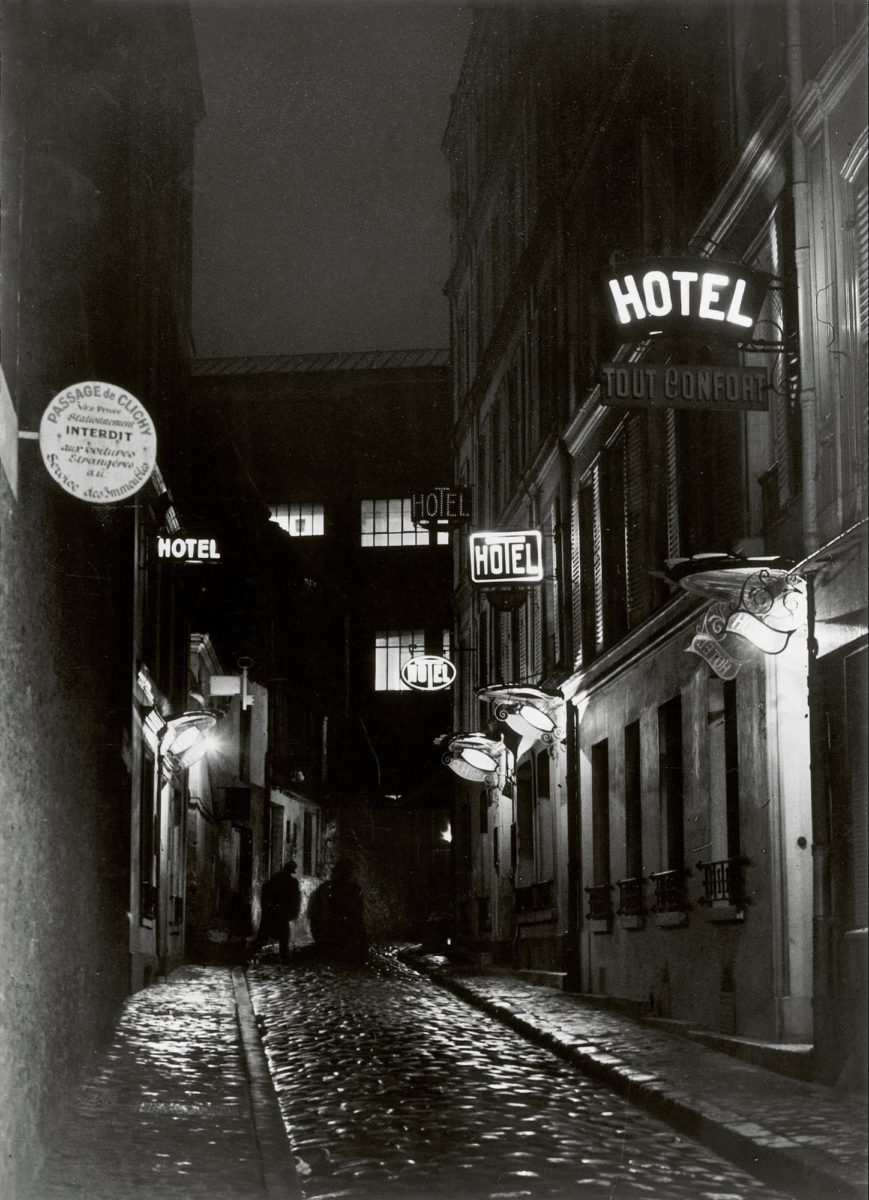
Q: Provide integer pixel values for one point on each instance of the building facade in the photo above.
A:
(678, 844)
(99, 106)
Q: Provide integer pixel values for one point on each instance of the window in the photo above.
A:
(671, 783)
(392, 648)
(299, 520)
(600, 812)
(723, 748)
(633, 803)
(388, 523)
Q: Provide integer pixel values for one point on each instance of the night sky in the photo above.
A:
(321, 217)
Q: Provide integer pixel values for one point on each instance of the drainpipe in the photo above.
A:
(802, 262)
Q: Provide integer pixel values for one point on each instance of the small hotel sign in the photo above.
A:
(506, 557)
(448, 506)
(428, 673)
(684, 295)
(191, 550)
(729, 389)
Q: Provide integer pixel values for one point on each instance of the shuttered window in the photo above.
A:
(636, 520)
(861, 262)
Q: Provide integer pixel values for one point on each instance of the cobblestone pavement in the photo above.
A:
(166, 1111)
(805, 1137)
(392, 1087)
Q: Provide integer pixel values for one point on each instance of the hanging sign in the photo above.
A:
(428, 673)
(506, 557)
(707, 643)
(685, 295)
(188, 549)
(98, 442)
(724, 389)
(446, 506)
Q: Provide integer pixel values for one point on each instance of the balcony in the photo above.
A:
(632, 908)
(600, 907)
(671, 900)
(724, 889)
(535, 902)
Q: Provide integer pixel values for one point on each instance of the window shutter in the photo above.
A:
(537, 631)
(575, 602)
(671, 455)
(861, 255)
(597, 557)
(636, 521)
(523, 644)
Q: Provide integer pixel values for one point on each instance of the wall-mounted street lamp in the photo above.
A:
(475, 757)
(528, 711)
(762, 600)
(187, 738)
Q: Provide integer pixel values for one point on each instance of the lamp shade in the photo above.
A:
(186, 738)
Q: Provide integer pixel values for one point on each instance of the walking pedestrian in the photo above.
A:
(281, 896)
(336, 915)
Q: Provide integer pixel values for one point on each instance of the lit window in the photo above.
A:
(388, 523)
(299, 520)
(392, 648)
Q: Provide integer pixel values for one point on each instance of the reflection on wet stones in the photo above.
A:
(392, 1087)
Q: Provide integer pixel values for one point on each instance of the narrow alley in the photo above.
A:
(392, 1087)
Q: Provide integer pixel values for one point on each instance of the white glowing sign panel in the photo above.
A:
(428, 673)
(98, 442)
(512, 558)
(685, 295)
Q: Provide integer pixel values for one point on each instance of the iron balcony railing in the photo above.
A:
(670, 894)
(724, 881)
(533, 897)
(631, 897)
(600, 905)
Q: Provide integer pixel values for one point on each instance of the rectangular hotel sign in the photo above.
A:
(447, 506)
(721, 389)
(514, 557)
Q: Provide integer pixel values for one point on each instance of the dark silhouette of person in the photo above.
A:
(281, 898)
(336, 917)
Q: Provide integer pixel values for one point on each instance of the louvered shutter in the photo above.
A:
(671, 455)
(575, 595)
(596, 532)
(861, 255)
(523, 644)
(555, 583)
(537, 632)
(636, 520)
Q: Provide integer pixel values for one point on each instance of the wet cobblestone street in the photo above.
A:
(391, 1087)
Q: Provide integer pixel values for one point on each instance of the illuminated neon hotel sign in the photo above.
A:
(509, 558)
(679, 295)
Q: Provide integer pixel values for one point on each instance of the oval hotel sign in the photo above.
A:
(685, 295)
(98, 442)
(428, 673)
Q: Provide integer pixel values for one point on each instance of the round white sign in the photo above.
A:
(98, 442)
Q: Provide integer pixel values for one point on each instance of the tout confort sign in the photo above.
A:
(428, 673)
(513, 558)
(98, 442)
(685, 295)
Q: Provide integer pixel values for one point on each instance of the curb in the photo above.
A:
(782, 1163)
(280, 1177)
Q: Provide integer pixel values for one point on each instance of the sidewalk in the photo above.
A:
(180, 1105)
(801, 1137)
